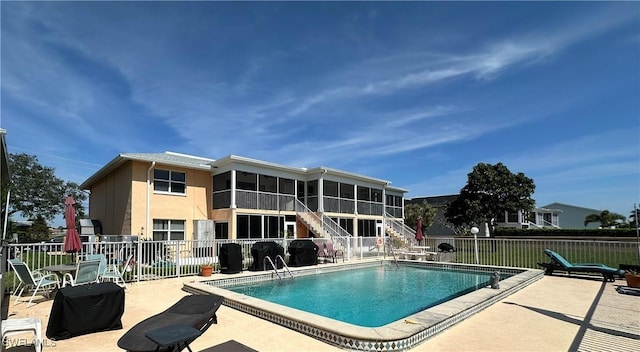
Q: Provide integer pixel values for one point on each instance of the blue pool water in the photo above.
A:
(370, 297)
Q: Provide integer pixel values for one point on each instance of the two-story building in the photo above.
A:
(171, 196)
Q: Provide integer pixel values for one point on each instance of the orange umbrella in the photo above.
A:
(72, 242)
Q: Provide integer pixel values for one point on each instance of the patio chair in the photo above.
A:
(36, 280)
(115, 273)
(332, 253)
(194, 311)
(103, 262)
(87, 272)
(560, 263)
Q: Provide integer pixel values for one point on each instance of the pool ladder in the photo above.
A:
(393, 253)
(273, 266)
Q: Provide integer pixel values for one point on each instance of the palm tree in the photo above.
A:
(605, 218)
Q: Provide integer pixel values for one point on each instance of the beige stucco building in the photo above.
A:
(171, 196)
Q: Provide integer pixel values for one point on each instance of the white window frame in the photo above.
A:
(171, 182)
(168, 229)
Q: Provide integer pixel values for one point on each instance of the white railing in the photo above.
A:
(165, 259)
(325, 226)
(400, 227)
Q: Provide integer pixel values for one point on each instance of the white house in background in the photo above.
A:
(545, 217)
(573, 216)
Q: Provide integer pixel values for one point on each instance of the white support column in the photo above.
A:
(233, 190)
(355, 199)
(321, 192)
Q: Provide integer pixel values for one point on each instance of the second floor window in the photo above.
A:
(169, 181)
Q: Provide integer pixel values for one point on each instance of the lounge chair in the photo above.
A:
(196, 311)
(87, 272)
(36, 280)
(560, 263)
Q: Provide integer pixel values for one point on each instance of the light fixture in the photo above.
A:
(474, 231)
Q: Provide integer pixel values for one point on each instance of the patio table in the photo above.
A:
(61, 269)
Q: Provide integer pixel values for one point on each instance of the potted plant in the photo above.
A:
(633, 278)
(206, 269)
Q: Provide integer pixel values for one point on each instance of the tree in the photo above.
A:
(490, 190)
(413, 211)
(36, 192)
(633, 220)
(605, 218)
(39, 230)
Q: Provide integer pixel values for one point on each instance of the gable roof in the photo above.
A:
(434, 200)
(166, 158)
(560, 206)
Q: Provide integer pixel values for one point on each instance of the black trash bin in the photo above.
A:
(230, 258)
(303, 253)
(261, 250)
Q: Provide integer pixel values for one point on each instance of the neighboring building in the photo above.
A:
(440, 227)
(171, 196)
(545, 217)
(573, 216)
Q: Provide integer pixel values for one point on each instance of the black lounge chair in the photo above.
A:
(197, 311)
(561, 264)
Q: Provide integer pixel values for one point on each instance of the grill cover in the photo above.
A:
(260, 250)
(446, 247)
(303, 253)
(230, 258)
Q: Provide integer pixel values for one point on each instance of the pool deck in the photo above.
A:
(556, 313)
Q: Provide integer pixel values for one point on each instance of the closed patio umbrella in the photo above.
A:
(419, 231)
(72, 241)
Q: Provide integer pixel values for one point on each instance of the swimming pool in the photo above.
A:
(398, 335)
(410, 288)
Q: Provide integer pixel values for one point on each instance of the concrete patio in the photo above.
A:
(556, 313)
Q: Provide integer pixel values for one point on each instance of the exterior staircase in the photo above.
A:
(398, 230)
(324, 227)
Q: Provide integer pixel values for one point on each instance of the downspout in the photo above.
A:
(153, 164)
(146, 235)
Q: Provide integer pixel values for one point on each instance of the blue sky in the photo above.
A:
(416, 93)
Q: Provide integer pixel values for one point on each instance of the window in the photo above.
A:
(222, 181)
(273, 226)
(287, 186)
(376, 195)
(363, 193)
(168, 230)
(346, 191)
(366, 228)
(268, 184)
(246, 181)
(222, 230)
(169, 181)
(300, 191)
(312, 188)
(330, 188)
(249, 226)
